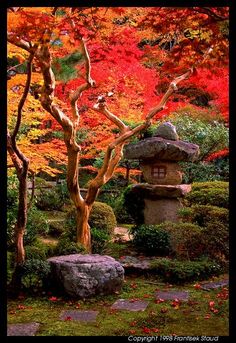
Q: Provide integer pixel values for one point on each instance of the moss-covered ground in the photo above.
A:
(205, 313)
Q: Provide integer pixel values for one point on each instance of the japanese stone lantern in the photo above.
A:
(159, 157)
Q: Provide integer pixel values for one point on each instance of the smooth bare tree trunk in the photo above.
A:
(83, 235)
(21, 217)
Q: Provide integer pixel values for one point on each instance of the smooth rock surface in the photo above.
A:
(81, 316)
(213, 285)
(162, 149)
(130, 305)
(167, 131)
(84, 276)
(161, 210)
(172, 295)
(22, 329)
(161, 191)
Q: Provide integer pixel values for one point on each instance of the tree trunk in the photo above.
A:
(16, 281)
(21, 216)
(83, 235)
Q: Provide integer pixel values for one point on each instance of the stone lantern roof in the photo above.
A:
(164, 145)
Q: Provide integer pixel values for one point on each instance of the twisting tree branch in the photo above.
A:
(211, 13)
(74, 96)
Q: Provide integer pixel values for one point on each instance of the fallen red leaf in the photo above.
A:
(158, 301)
(146, 330)
(155, 330)
(132, 332)
(133, 323)
(197, 286)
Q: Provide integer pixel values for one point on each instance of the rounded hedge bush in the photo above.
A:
(203, 214)
(186, 241)
(102, 217)
(67, 247)
(216, 238)
(134, 205)
(36, 225)
(178, 272)
(99, 240)
(152, 239)
(214, 193)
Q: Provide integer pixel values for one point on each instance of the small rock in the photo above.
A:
(83, 316)
(167, 131)
(130, 305)
(24, 329)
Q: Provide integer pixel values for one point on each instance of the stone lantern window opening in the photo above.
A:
(159, 172)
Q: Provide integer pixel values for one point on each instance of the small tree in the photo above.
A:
(70, 122)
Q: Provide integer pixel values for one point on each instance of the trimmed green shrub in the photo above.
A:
(66, 247)
(134, 205)
(12, 191)
(10, 265)
(204, 171)
(178, 272)
(214, 193)
(102, 217)
(35, 272)
(56, 228)
(99, 240)
(120, 210)
(35, 252)
(36, 225)
(204, 214)
(49, 200)
(216, 238)
(186, 241)
(152, 239)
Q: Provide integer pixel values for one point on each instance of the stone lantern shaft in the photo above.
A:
(159, 157)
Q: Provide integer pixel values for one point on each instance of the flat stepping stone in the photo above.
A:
(83, 316)
(130, 305)
(214, 285)
(26, 329)
(172, 295)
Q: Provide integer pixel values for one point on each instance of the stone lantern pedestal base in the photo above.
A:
(162, 202)
(161, 210)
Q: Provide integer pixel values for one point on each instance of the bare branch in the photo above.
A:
(118, 154)
(89, 83)
(15, 159)
(101, 107)
(24, 96)
(212, 14)
(169, 92)
(11, 38)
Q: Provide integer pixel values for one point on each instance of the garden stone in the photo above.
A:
(85, 276)
(130, 305)
(172, 295)
(158, 148)
(214, 285)
(167, 131)
(82, 316)
(25, 329)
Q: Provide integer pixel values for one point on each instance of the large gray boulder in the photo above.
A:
(85, 276)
